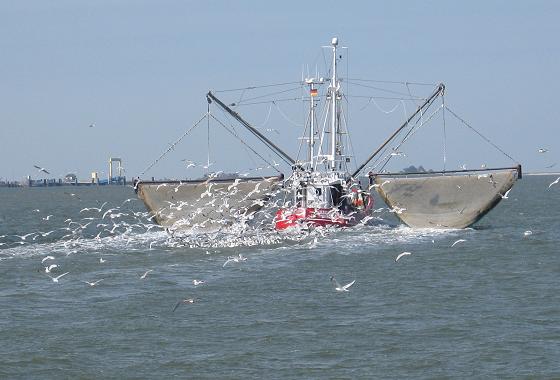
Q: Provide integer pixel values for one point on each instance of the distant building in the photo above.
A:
(70, 178)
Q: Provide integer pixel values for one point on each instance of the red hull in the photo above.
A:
(286, 218)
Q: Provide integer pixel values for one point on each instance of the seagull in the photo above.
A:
(108, 212)
(340, 288)
(207, 192)
(94, 208)
(505, 195)
(92, 125)
(457, 242)
(554, 182)
(72, 195)
(41, 169)
(161, 185)
(185, 301)
(378, 185)
(92, 283)
(235, 259)
(234, 184)
(527, 233)
(256, 190)
(313, 244)
(23, 237)
(402, 254)
(55, 279)
(197, 282)
(102, 260)
(47, 258)
(146, 273)
(47, 217)
(543, 150)
(50, 268)
(397, 210)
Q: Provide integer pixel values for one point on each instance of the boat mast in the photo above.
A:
(312, 124)
(334, 94)
(311, 139)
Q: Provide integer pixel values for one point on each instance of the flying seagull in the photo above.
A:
(92, 283)
(55, 279)
(235, 259)
(340, 288)
(146, 273)
(505, 195)
(41, 169)
(401, 255)
(50, 268)
(47, 258)
(554, 182)
(185, 301)
(457, 242)
(543, 150)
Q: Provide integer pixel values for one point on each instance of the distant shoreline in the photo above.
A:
(543, 174)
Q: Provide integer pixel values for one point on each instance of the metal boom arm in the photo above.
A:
(283, 155)
(439, 90)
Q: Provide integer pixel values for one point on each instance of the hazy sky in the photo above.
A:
(139, 71)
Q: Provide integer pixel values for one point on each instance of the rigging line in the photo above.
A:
(268, 144)
(444, 133)
(286, 117)
(410, 93)
(411, 133)
(393, 82)
(481, 135)
(325, 62)
(349, 139)
(418, 126)
(172, 146)
(307, 121)
(380, 89)
(379, 107)
(272, 93)
(379, 161)
(384, 97)
(256, 87)
(347, 61)
(208, 140)
(241, 97)
(267, 116)
(227, 116)
(243, 142)
(270, 101)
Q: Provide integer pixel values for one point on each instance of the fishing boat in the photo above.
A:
(321, 192)
(325, 187)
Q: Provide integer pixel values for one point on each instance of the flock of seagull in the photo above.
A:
(101, 222)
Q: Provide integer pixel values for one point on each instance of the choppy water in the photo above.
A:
(487, 307)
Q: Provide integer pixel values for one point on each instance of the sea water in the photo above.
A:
(489, 306)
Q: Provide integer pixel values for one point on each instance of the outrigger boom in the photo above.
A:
(283, 155)
(439, 91)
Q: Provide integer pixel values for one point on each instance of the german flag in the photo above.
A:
(313, 92)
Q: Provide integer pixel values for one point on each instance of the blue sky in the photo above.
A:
(139, 71)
